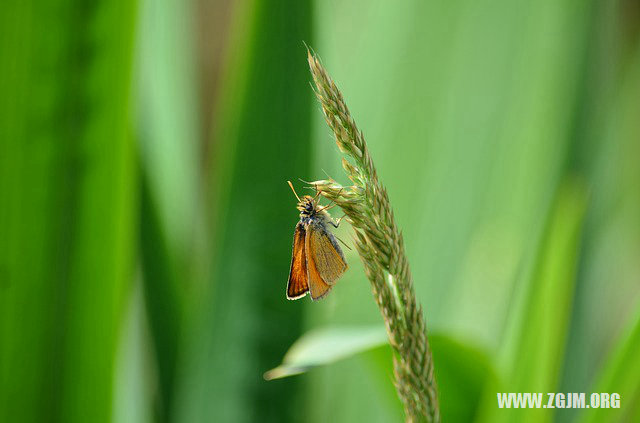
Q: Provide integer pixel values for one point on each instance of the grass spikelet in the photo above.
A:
(381, 248)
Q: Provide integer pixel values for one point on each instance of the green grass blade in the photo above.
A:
(608, 293)
(167, 115)
(620, 375)
(535, 349)
(462, 372)
(68, 183)
(168, 134)
(262, 140)
(324, 346)
(163, 299)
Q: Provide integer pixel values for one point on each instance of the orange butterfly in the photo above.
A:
(317, 260)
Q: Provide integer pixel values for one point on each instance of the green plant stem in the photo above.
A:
(381, 248)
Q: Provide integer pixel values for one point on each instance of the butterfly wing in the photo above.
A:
(324, 251)
(317, 287)
(298, 275)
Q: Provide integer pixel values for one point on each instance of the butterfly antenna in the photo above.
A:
(294, 191)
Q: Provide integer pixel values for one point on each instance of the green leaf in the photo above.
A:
(462, 371)
(241, 321)
(621, 375)
(167, 125)
(68, 182)
(608, 290)
(163, 299)
(324, 346)
(534, 347)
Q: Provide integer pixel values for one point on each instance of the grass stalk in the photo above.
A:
(380, 245)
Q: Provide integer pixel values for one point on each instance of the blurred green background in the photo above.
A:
(146, 226)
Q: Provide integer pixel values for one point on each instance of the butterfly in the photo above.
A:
(317, 261)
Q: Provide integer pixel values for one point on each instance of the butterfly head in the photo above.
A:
(307, 206)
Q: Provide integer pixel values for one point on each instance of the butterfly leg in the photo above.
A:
(331, 204)
(337, 223)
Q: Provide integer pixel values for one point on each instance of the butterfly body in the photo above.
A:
(317, 260)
